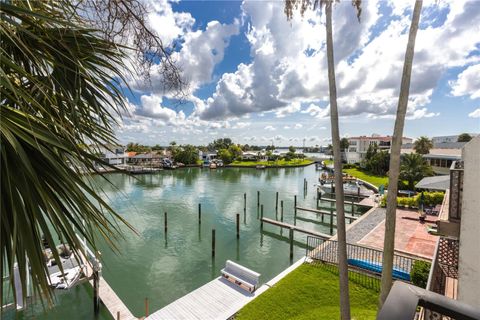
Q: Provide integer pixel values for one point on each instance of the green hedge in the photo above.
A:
(419, 273)
(430, 199)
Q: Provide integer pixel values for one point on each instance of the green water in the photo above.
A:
(163, 266)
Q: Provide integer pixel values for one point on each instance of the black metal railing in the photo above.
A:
(456, 191)
(444, 265)
(404, 300)
(359, 257)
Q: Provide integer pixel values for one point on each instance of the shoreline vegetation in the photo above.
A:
(376, 180)
(282, 163)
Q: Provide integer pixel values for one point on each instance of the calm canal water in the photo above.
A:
(165, 266)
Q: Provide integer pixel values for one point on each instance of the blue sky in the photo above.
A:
(257, 78)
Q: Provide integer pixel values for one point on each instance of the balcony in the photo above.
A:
(450, 214)
(404, 301)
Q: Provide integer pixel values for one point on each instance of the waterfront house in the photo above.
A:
(358, 146)
(147, 159)
(207, 156)
(113, 154)
(254, 156)
(441, 156)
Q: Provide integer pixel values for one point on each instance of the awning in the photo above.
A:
(434, 183)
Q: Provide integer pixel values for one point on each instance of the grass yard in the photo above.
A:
(373, 179)
(312, 292)
(279, 163)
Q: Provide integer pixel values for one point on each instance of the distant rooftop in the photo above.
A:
(441, 183)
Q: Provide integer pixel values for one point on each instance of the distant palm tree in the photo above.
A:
(413, 168)
(464, 137)
(394, 168)
(60, 88)
(290, 5)
(423, 145)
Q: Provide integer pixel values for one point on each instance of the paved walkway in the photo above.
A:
(411, 236)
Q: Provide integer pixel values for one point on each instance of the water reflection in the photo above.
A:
(166, 267)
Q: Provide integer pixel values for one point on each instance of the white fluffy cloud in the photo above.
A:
(289, 64)
(200, 51)
(269, 128)
(475, 113)
(467, 83)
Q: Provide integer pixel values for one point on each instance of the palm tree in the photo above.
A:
(423, 145)
(394, 171)
(464, 137)
(290, 5)
(413, 168)
(61, 88)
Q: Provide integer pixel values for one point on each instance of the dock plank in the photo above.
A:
(295, 228)
(326, 212)
(108, 296)
(218, 299)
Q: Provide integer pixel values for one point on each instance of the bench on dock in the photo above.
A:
(241, 276)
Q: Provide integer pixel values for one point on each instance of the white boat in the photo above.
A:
(349, 188)
(213, 165)
(260, 166)
(67, 279)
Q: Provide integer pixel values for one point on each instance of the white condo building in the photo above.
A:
(358, 146)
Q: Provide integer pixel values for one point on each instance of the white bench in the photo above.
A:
(243, 277)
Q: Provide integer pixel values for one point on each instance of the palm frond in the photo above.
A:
(60, 88)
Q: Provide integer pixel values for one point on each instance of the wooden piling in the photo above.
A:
(213, 242)
(291, 243)
(333, 187)
(96, 295)
(295, 206)
(331, 221)
(238, 226)
(276, 201)
(281, 210)
(165, 220)
(118, 315)
(358, 194)
(353, 208)
(146, 307)
(245, 202)
(199, 213)
(261, 217)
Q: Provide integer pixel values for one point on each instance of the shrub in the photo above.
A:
(419, 273)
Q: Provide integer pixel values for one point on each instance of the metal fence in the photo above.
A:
(359, 257)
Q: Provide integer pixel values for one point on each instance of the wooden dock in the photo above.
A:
(352, 218)
(348, 202)
(295, 228)
(109, 298)
(218, 299)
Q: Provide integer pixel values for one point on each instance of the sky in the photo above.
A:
(259, 79)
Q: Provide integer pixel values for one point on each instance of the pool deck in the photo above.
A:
(411, 236)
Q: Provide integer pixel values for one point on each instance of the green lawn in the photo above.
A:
(312, 292)
(373, 179)
(283, 162)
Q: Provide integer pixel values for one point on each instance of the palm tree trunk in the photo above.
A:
(337, 164)
(394, 170)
